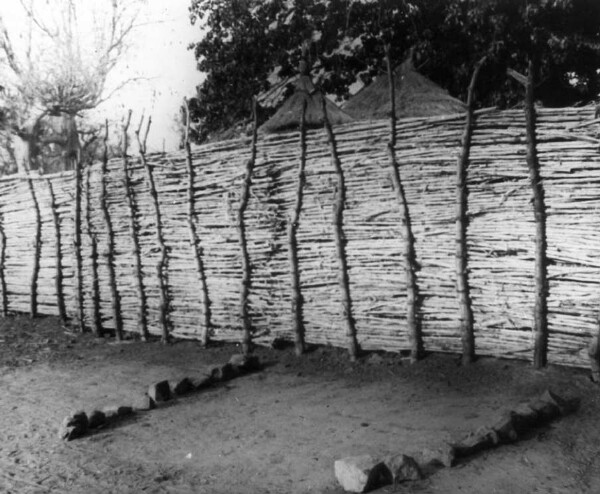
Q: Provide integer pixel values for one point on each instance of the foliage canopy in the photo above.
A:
(252, 47)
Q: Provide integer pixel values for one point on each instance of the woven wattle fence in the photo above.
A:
(500, 237)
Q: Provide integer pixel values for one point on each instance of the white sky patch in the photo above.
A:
(161, 68)
(165, 67)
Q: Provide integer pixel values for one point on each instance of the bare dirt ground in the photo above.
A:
(277, 431)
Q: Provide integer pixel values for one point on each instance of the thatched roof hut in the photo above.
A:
(416, 96)
(289, 114)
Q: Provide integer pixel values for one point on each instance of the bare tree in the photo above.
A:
(58, 68)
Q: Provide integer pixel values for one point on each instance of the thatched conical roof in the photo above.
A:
(289, 114)
(416, 96)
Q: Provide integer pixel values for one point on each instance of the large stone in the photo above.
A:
(565, 405)
(201, 382)
(443, 455)
(124, 411)
(505, 428)
(160, 391)
(361, 473)
(78, 418)
(144, 403)
(73, 426)
(252, 364)
(477, 441)
(238, 360)
(222, 373)
(96, 419)
(68, 433)
(182, 386)
(525, 418)
(546, 410)
(403, 468)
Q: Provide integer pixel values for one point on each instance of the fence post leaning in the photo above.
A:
(410, 264)
(4, 300)
(194, 240)
(338, 231)
(110, 242)
(462, 275)
(58, 278)
(161, 263)
(297, 318)
(540, 349)
(77, 246)
(241, 227)
(96, 318)
(137, 262)
(37, 247)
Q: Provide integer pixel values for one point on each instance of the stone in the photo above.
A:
(475, 442)
(222, 373)
(160, 391)
(443, 455)
(238, 360)
(68, 433)
(525, 418)
(252, 364)
(74, 426)
(124, 411)
(565, 405)
(505, 428)
(245, 363)
(144, 403)
(403, 468)
(111, 412)
(202, 382)
(361, 473)
(96, 419)
(546, 410)
(181, 386)
(78, 418)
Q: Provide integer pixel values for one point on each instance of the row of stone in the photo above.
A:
(364, 473)
(79, 423)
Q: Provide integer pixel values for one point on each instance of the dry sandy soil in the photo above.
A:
(276, 431)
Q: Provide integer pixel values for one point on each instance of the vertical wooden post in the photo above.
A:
(241, 226)
(77, 245)
(194, 240)
(137, 262)
(462, 275)
(410, 264)
(4, 299)
(96, 318)
(110, 242)
(541, 283)
(292, 229)
(58, 277)
(161, 263)
(37, 247)
(338, 231)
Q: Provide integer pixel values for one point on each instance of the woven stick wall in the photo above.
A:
(500, 236)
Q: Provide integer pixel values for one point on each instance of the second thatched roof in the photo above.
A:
(289, 115)
(415, 95)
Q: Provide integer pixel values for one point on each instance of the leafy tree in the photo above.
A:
(253, 47)
(55, 71)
